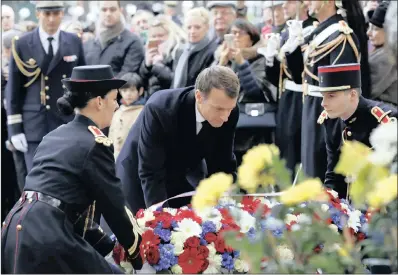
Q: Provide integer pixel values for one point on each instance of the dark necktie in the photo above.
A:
(50, 53)
(203, 132)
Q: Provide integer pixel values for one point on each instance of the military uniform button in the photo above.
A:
(46, 78)
(47, 97)
(47, 88)
(48, 107)
(19, 227)
(349, 133)
(64, 76)
(63, 86)
(4, 223)
(30, 200)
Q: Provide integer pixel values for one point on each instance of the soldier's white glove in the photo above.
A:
(19, 142)
(272, 48)
(296, 36)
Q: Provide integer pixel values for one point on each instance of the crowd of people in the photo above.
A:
(285, 75)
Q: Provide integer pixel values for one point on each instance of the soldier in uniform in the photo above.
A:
(73, 169)
(332, 42)
(40, 59)
(288, 126)
(356, 116)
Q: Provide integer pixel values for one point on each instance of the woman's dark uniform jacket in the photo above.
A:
(72, 169)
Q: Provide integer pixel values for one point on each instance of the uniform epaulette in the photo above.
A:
(344, 28)
(381, 116)
(322, 117)
(99, 136)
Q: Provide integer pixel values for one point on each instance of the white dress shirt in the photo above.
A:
(199, 119)
(46, 44)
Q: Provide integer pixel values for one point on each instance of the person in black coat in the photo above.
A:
(114, 45)
(181, 136)
(356, 116)
(73, 170)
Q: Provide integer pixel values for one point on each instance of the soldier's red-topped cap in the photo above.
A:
(339, 77)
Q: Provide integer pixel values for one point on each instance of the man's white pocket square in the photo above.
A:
(70, 58)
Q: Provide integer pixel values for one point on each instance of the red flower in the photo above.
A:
(152, 224)
(152, 255)
(190, 261)
(187, 214)
(289, 226)
(361, 236)
(205, 265)
(140, 214)
(210, 237)
(230, 227)
(118, 254)
(250, 204)
(220, 244)
(203, 251)
(192, 242)
(318, 249)
(164, 217)
(149, 239)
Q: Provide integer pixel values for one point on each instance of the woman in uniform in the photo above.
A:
(73, 170)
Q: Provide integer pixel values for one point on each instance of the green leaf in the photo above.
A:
(327, 263)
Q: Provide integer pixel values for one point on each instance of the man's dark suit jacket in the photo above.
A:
(162, 148)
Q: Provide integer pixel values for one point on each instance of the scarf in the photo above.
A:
(181, 71)
(106, 34)
(383, 73)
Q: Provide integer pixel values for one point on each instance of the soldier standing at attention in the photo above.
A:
(332, 42)
(40, 59)
(356, 117)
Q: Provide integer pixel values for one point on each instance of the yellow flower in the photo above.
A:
(307, 190)
(210, 190)
(353, 157)
(254, 162)
(385, 192)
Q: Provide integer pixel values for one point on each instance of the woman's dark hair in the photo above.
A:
(69, 101)
(248, 27)
(356, 21)
(132, 80)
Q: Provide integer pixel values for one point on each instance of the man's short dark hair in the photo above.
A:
(132, 80)
(218, 77)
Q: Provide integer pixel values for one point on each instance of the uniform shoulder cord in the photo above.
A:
(89, 217)
(22, 65)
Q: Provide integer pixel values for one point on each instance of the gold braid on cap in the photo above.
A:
(22, 65)
(136, 230)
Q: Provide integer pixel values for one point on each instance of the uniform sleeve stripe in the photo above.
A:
(13, 119)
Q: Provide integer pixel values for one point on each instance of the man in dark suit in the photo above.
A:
(40, 59)
(180, 137)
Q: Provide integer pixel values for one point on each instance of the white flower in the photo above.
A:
(226, 201)
(172, 211)
(212, 250)
(384, 142)
(178, 248)
(148, 216)
(354, 220)
(304, 219)
(334, 227)
(284, 253)
(189, 228)
(271, 203)
(176, 269)
(212, 269)
(177, 237)
(211, 214)
(344, 206)
(241, 265)
(295, 227)
(265, 201)
(325, 207)
(290, 218)
(246, 221)
(273, 224)
(184, 207)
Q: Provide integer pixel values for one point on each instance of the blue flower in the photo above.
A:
(236, 253)
(160, 208)
(203, 242)
(164, 234)
(277, 233)
(167, 258)
(207, 227)
(227, 261)
(174, 224)
(251, 235)
(336, 218)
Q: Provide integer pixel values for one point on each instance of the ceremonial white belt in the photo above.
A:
(313, 91)
(292, 86)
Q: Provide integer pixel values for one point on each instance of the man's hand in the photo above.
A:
(19, 142)
(150, 53)
(237, 56)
